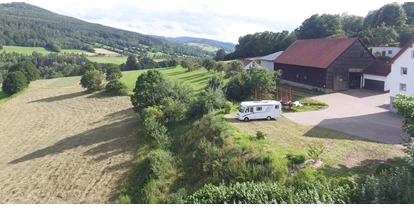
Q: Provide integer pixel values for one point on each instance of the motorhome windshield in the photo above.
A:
(241, 109)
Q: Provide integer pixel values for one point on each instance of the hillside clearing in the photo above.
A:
(25, 50)
(196, 79)
(104, 51)
(64, 146)
(108, 59)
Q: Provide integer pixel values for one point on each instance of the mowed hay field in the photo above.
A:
(25, 50)
(60, 145)
(108, 59)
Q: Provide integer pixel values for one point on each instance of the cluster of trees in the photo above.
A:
(142, 62)
(392, 24)
(50, 66)
(19, 76)
(27, 25)
(92, 80)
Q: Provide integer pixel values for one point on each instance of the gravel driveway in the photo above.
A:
(361, 113)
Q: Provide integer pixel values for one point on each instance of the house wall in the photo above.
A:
(267, 64)
(306, 76)
(379, 78)
(356, 57)
(394, 50)
(405, 60)
(252, 65)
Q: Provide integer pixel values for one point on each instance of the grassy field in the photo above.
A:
(205, 47)
(152, 54)
(25, 50)
(196, 79)
(63, 83)
(106, 59)
(76, 51)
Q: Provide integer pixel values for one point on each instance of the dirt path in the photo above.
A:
(64, 146)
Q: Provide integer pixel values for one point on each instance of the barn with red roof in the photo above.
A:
(329, 65)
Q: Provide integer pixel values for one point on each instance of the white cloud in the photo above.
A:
(220, 20)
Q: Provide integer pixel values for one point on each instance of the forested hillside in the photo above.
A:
(392, 24)
(23, 24)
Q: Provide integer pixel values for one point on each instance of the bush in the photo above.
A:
(238, 88)
(234, 68)
(1, 46)
(173, 110)
(227, 107)
(215, 82)
(92, 80)
(160, 162)
(315, 150)
(14, 83)
(152, 112)
(156, 134)
(113, 73)
(260, 135)
(383, 168)
(117, 87)
(209, 64)
(296, 159)
(208, 101)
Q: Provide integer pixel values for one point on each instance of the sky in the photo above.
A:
(221, 20)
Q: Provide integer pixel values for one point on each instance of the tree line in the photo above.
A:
(392, 24)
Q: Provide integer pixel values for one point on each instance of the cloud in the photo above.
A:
(220, 20)
(168, 26)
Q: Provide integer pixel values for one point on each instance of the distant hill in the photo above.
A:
(23, 24)
(201, 42)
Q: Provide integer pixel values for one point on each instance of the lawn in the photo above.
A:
(344, 154)
(196, 79)
(108, 59)
(63, 82)
(25, 50)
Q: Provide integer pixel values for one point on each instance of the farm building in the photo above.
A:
(268, 61)
(328, 65)
(402, 73)
(250, 64)
(377, 76)
(386, 51)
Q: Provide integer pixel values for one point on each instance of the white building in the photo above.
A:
(269, 60)
(402, 73)
(377, 76)
(386, 51)
(250, 64)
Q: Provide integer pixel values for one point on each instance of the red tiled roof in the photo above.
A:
(379, 67)
(317, 53)
(246, 61)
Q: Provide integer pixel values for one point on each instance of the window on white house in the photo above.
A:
(404, 71)
(389, 52)
(403, 87)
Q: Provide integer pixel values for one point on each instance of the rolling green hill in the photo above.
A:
(23, 24)
(206, 44)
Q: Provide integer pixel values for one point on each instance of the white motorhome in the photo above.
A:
(251, 110)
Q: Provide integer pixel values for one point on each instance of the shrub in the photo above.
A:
(221, 67)
(92, 80)
(315, 150)
(260, 135)
(215, 82)
(234, 68)
(113, 73)
(296, 159)
(176, 198)
(1, 46)
(87, 67)
(207, 101)
(116, 87)
(209, 64)
(160, 162)
(156, 134)
(152, 113)
(238, 88)
(383, 168)
(173, 110)
(227, 107)
(14, 83)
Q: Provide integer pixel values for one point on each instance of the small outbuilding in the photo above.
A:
(269, 60)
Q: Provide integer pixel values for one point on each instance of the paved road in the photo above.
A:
(361, 113)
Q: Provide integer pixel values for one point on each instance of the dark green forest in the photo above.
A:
(23, 24)
(392, 24)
